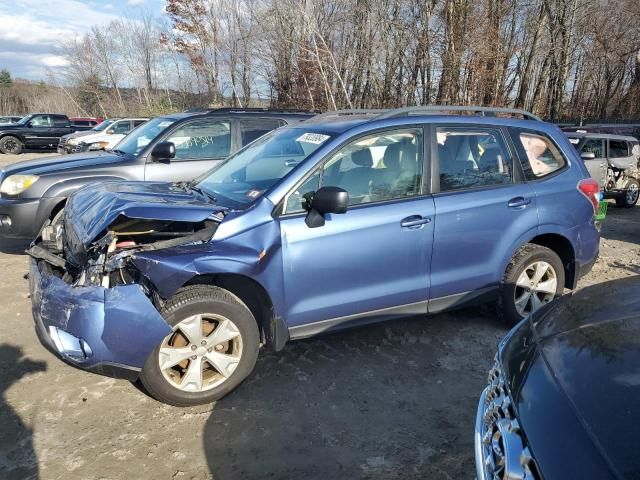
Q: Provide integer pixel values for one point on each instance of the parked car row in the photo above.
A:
(248, 229)
(104, 136)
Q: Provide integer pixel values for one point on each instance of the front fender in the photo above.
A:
(9, 133)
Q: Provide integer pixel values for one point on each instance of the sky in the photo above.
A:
(30, 30)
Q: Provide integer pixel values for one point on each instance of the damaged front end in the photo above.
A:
(91, 304)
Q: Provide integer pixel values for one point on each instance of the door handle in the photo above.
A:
(519, 202)
(414, 221)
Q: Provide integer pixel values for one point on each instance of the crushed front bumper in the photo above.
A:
(107, 330)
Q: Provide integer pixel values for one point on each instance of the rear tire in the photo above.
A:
(534, 277)
(630, 196)
(209, 368)
(10, 145)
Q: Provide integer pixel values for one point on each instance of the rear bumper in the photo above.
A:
(23, 218)
(110, 331)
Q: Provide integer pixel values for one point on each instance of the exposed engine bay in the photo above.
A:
(106, 261)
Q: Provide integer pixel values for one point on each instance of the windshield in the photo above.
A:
(102, 126)
(24, 120)
(143, 135)
(245, 176)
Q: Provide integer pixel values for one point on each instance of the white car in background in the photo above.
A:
(109, 137)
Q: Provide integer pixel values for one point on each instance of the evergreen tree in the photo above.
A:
(5, 78)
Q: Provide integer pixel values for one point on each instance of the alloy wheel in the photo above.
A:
(535, 287)
(11, 145)
(632, 193)
(201, 352)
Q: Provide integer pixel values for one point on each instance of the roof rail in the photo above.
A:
(349, 112)
(249, 109)
(435, 109)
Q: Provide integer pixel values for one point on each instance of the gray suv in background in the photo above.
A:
(176, 147)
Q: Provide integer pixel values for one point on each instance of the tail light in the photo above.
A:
(590, 189)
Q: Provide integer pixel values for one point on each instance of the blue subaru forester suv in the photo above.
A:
(349, 218)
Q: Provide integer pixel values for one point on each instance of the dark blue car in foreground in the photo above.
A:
(564, 391)
(349, 218)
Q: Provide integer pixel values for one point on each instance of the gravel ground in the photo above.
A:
(395, 400)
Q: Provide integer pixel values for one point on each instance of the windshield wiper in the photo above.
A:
(203, 192)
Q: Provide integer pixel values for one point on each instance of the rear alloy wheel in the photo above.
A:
(534, 278)
(630, 196)
(536, 286)
(212, 348)
(11, 145)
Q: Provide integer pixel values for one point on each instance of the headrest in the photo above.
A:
(362, 158)
(492, 154)
(392, 155)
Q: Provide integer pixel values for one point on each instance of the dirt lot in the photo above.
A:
(395, 400)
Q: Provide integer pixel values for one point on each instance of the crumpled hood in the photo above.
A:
(82, 133)
(57, 163)
(590, 342)
(91, 210)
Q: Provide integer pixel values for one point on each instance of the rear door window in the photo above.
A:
(541, 156)
(252, 129)
(619, 149)
(472, 157)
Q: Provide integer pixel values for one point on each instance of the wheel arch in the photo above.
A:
(562, 247)
(273, 331)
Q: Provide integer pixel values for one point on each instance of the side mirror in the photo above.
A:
(163, 151)
(109, 132)
(588, 156)
(29, 124)
(326, 200)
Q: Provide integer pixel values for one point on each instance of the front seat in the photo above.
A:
(357, 180)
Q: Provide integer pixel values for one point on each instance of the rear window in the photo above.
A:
(619, 149)
(542, 156)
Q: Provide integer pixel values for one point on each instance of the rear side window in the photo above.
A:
(60, 122)
(542, 156)
(472, 157)
(137, 123)
(619, 149)
(250, 130)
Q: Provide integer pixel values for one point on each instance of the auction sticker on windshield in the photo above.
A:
(315, 138)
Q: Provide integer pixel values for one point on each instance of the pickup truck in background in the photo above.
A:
(36, 130)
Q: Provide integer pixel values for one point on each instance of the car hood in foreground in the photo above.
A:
(92, 209)
(589, 343)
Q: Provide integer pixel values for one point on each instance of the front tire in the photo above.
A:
(535, 276)
(213, 347)
(630, 196)
(10, 145)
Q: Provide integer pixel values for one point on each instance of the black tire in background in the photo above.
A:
(524, 258)
(195, 300)
(630, 196)
(11, 145)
